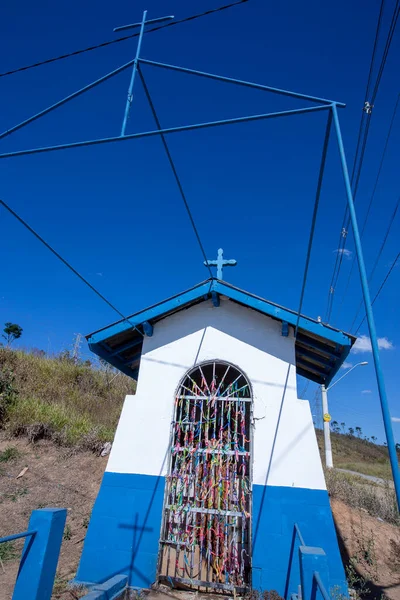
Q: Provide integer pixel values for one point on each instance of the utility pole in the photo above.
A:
(327, 428)
(326, 417)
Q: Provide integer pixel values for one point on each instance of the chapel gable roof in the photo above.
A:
(320, 349)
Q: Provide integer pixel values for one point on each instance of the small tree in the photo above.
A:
(373, 439)
(12, 332)
(343, 426)
(351, 431)
(335, 427)
(359, 431)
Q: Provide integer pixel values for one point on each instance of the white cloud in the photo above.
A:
(99, 274)
(366, 392)
(363, 344)
(347, 253)
(346, 365)
(396, 419)
(385, 344)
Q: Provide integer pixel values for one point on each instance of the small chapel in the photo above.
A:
(214, 478)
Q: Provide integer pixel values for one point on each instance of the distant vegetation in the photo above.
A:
(357, 454)
(355, 432)
(11, 332)
(61, 397)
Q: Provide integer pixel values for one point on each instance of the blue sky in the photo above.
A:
(114, 211)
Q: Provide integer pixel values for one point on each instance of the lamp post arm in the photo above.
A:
(340, 378)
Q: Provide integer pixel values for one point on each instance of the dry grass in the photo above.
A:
(354, 454)
(378, 501)
(375, 469)
(73, 404)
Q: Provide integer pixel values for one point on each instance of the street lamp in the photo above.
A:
(326, 417)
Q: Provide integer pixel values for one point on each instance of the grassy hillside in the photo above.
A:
(55, 398)
(350, 452)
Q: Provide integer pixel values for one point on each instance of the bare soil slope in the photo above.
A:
(56, 478)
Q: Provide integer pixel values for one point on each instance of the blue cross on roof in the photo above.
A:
(220, 263)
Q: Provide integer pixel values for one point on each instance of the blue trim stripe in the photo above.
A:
(208, 287)
(326, 347)
(151, 313)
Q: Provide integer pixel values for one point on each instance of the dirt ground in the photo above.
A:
(373, 547)
(56, 477)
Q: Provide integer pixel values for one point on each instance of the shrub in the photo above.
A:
(73, 404)
(9, 453)
(379, 501)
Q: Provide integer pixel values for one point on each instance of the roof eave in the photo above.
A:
(332, 344)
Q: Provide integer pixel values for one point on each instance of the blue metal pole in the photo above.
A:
(17, 536)
(66, 99)
(130, 90)
(39, 558)
(370, 317)
(250, 84)
(131, 136)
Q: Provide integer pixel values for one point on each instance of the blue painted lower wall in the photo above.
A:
(124, 532)
(275, 511)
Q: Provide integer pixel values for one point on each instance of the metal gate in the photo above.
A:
(205, 537)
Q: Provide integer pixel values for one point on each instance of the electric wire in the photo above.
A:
(372, 197)
(303, 287)
(121, 39)
(371, 275)
(304, 390)
(174, 171)
(296, 328)
(342, 237)
(67, 264)
(358, 164)
(389, 39)
(88, 49)
(380, 289)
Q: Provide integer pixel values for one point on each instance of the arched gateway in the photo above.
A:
(205, 540)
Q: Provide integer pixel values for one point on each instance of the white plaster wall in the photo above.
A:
(250, 341)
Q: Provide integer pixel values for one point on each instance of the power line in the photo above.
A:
(172, 165)
(386, 50)
(369, 81)
(372, 195)
(305, 388)
(357, 166)
(343, 229)
(304, 283)
(121, 39)
(380, 288)
(392, 218)
(67, 264)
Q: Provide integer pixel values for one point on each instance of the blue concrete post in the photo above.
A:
(39, 559)
(311, 560)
